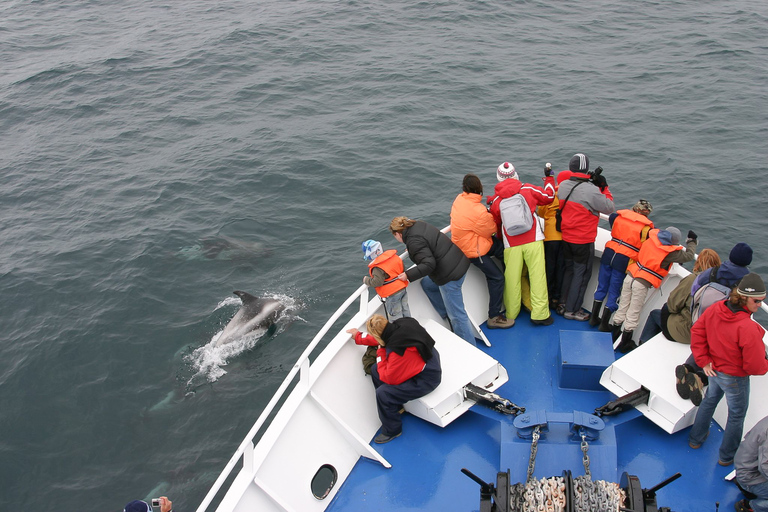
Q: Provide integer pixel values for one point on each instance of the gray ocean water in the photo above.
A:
(157, 156)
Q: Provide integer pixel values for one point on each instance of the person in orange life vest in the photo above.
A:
(728, 344)
(553, 244)
(583, 197)
(629, 229)
(384, 267)
(524, 248)
(408, 367)
(472, 230)
(656, 256)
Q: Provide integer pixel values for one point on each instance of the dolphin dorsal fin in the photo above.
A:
(245, 296)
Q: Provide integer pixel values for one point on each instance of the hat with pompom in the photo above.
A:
(506, 170)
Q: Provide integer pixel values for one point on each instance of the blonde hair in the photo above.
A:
(375, 326)
(399, 224)
(707, 259)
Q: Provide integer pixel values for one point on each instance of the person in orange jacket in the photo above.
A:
(473, 230)
(383, 269)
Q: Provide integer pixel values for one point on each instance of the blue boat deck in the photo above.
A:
(427, 460)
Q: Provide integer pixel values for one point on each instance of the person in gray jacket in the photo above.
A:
(751, 463)
(441, 265)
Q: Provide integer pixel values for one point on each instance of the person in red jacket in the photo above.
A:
(524, 245)
(728, 344)
(407, 368)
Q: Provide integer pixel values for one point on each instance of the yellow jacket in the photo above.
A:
(547, 212)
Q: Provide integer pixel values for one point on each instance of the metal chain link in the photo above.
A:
(534, 449)
(585, 459)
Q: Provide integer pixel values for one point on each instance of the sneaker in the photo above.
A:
(384, 438)
(682, 387)
(581, 316)
(743, 506)
(547, 321)
(696, 388)
(560, 309)
(500, 322)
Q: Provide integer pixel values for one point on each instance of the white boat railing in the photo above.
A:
(302, 368)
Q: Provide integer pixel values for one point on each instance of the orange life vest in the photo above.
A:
(627, 232)
(648, 264)
(389, 262)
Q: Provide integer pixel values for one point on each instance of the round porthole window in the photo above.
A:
(323, 481)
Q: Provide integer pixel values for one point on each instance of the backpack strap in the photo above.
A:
(562, 205)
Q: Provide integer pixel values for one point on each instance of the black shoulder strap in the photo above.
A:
(562, 205)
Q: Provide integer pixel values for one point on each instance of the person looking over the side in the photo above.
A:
(690, 379)
(383, 269)
(728, 344)
(553, 243)
(629, 229)
(582, 199)
(166, 505)
(473, 230)
(654, 260)
(441, 265)
(513, 207)
(408, 367)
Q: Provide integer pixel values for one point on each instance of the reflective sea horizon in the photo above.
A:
(157, 157)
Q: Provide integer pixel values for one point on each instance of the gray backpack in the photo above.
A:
(516, 215)
(707, 295)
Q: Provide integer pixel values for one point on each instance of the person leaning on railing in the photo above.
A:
(166, 505)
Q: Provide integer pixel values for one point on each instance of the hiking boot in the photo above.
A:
(605, 321)
(554, 303)
(695, 387)
(725, 463)
(627, 344)
(547, 321)
(581, 315)
(500, 322)
(743, 506)
(683, 390)
(594, 317)
(560, 309)
(385, 438)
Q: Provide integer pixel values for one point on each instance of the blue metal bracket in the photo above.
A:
(579, 422)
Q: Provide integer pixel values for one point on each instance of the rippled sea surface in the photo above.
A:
(157, 156)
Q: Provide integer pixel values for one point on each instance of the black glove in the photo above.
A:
(599, 180)
(548, 170)
(692, 235)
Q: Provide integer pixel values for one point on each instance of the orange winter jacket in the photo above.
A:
(471, 225)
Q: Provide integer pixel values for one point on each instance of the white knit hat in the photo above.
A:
(506, 170)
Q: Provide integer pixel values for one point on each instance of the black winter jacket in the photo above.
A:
(434, 254)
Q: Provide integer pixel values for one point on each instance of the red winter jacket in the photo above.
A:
(730, 340)
(581, 213)
(533, 195)
(393, 369)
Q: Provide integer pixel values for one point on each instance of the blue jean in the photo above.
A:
(396, 305)
(494, 276)
(449, 303)
(759, 504)
(652, 326)
(736, 391)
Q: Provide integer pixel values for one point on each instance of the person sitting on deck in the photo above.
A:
(408, 368)
(473, 230)
(513, 206)
(689, 377)
(584, 196)
(728, 344)
(629, 229)
(751, 464)
(653, 263)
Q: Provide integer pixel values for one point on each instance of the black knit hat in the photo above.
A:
(741, 254)
(579, 163)
(751, 285)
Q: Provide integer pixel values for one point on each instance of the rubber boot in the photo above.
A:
(605, 321)
(615, 332)
(594, 318)
(626, 344)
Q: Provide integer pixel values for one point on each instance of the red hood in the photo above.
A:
(508, 187)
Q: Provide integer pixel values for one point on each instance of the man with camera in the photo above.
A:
(163, 504)
(583, 197)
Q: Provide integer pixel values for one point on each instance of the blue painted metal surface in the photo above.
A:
(427, 460)
(584, 356)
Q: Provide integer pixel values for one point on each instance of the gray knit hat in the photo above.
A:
(751, 285)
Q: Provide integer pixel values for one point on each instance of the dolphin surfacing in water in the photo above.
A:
(255, 313)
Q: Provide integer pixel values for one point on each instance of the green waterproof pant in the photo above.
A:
(532, 255)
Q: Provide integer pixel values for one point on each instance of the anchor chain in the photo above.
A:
(585, 459)
(548, 495)
(534, 448)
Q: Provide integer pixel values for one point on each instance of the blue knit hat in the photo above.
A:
(741, 254)
(371, 250)
(137, 506)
